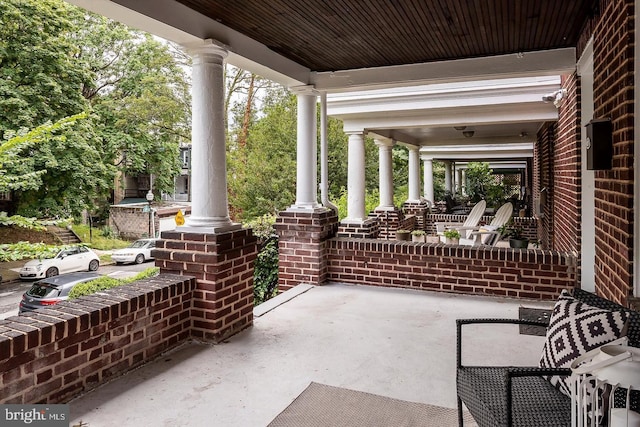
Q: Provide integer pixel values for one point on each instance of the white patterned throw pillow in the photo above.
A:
(574, 329)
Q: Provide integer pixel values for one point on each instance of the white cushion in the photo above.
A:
(574, 329)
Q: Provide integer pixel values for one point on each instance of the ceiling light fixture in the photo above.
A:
(459, 127)
(523, 134)
(468, 133)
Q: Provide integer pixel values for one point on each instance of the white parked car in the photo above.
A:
(77, 258)
(138, 252)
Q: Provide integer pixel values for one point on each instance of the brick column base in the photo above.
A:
(388, 222)
(369, 229)
(222, 264)
(302, 237)
(420, 210)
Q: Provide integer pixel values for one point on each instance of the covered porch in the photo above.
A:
(589, 218)
(392, 342)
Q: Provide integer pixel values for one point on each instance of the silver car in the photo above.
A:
(138, 252)
(52, 290)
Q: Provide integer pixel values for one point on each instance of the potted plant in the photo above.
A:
(418, 236)
(452, 235)
(403, 234)
(516, 237)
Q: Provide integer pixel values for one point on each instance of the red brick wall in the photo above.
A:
(567, 184)
(222, 264)
(543, 190)
(613, 97)
(447, 268)
(53, 354)
(302, 246)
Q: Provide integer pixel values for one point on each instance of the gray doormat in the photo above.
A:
(534, 314)
(322, 405)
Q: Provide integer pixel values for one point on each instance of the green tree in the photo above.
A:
(39, 74)
(21, 176)
(57, 60)
(141, 94)
(73, 172)
(262, 174)
(262, 171)
(481, 184)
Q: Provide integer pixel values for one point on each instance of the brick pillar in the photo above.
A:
(222, 264)
(302, 246)
(419, 209)
(367, 229)
(388, 222)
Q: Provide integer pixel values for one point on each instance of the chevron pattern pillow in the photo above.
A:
(574, 329)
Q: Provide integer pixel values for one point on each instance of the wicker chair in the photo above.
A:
(520, 396)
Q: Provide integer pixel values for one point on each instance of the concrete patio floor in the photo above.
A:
(392, 342)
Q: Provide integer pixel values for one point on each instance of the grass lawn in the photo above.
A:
(97, 240)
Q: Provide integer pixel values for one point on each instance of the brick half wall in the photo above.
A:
(53, 354)
(495, 271)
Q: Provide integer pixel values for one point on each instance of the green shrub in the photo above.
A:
(262, 226)
(265, 273)
(105, 282)
(26, 250)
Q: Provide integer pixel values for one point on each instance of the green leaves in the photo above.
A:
(105, 282)
(56, 61)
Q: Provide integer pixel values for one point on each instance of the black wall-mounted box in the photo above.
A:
(599, 144)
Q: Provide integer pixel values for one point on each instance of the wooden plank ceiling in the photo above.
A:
(332, 35)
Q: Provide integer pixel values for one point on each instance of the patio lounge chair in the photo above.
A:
(489, 235)
(508, 396)
(469, 224)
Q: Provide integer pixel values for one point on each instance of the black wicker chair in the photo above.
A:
(520, 396)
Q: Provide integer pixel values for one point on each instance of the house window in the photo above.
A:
(185, 157)
(5, 195)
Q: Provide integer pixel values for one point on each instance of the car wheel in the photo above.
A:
(139, 259)
(93, 265)
(51, 271)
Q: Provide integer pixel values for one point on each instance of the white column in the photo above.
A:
(307, 149)
(414, 174)
(447, 177)
(463, 182)
(428, 178)
(209, 207)
(459, 181)
(355, 179)
(385, 166)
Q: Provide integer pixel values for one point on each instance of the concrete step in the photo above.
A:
(66, 236)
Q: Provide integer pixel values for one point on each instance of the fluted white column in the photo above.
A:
(307, 149)
(385, 165)
(414, 174)
(447, 177)
(355, 179)
(209, 207)
(428, 178)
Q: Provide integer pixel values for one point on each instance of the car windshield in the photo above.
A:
(40, 290)
(139, 244)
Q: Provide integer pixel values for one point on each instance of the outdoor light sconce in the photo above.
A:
(599, 144)
(555, 97)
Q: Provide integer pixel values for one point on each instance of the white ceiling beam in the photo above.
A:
(531, 64)
(449, 117)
